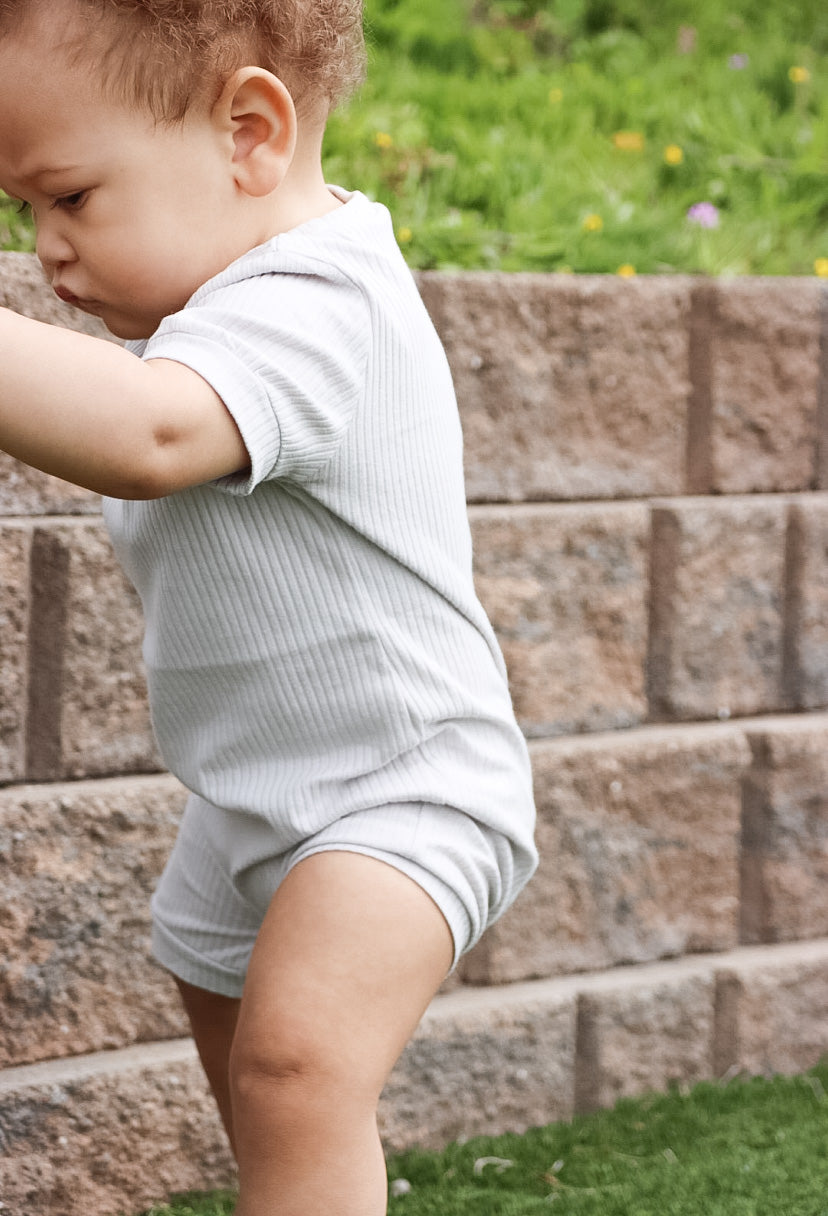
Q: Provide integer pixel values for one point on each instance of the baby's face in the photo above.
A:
(132, 217)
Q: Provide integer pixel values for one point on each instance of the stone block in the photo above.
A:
(773, 1010)
(785, 830)
(88, 711)
(806, 625)
(15, 541)
(23, 490)
(566, 589)
(717, 608)
(482, 1063)
(568, 387)
(638, 836)
(765, 381)
(78, 863)
(640, 1034)
(108, 1135)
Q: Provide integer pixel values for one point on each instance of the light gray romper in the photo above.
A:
(321, 673)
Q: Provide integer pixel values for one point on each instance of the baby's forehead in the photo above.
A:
(46, 20)
(164, 55)
(100, 43)
(54, 31)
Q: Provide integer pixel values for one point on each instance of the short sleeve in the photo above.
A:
(287, 354)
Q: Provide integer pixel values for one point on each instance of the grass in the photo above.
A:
(753, 1147)
(525, 135)
(524, 141)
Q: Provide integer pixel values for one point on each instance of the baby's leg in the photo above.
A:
(213, 1021)
(350, 953)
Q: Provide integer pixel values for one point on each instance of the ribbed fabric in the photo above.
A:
(314, 646)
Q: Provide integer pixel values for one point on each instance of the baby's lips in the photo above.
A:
(67, 296)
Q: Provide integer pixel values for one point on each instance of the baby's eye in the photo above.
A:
(71, 202)
(23, 208)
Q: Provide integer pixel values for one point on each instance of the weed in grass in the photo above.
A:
(752, 1147)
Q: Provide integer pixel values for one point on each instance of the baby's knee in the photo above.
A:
(254, 1065)
(293, 1077)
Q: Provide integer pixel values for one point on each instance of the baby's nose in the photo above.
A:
(53, 249)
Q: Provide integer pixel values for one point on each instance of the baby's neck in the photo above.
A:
(303, 194)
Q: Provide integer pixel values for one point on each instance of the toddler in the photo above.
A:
(280, 454)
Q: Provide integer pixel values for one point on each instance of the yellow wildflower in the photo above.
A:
(383, 140)
(628, 141)
(404, 235)
(673, 154)
(592, 223)
(555, 96)
(799, 75)
(626, 271)
(821, 268)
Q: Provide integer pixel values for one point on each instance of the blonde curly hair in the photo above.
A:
(168, 54)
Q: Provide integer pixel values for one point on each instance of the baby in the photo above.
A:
(280, 453)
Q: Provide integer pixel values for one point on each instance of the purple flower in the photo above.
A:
(704, 214)
(737, 62)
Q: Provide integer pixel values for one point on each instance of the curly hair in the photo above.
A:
(166, 54)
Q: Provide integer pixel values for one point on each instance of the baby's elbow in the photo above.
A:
(179, 460)
(139, 488)
(157, 471)
(135, 490)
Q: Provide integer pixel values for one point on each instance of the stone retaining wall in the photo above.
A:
(648, 485)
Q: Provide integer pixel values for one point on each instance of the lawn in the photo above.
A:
(583, 135)
(746, 1148)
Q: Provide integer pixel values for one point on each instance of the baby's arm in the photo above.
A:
(93, 413)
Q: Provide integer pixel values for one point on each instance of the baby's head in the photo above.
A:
(170, 54)
(156, 141)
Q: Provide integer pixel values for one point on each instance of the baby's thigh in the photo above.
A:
(349, 955)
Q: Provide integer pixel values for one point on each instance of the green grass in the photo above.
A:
(487, 126)
(502, 134)
(748, 1148)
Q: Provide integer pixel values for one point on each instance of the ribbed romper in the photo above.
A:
(321, 673)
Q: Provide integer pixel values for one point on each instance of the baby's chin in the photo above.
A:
(129, 333)
(129, 329)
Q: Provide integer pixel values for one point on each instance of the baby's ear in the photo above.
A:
(257, 112)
